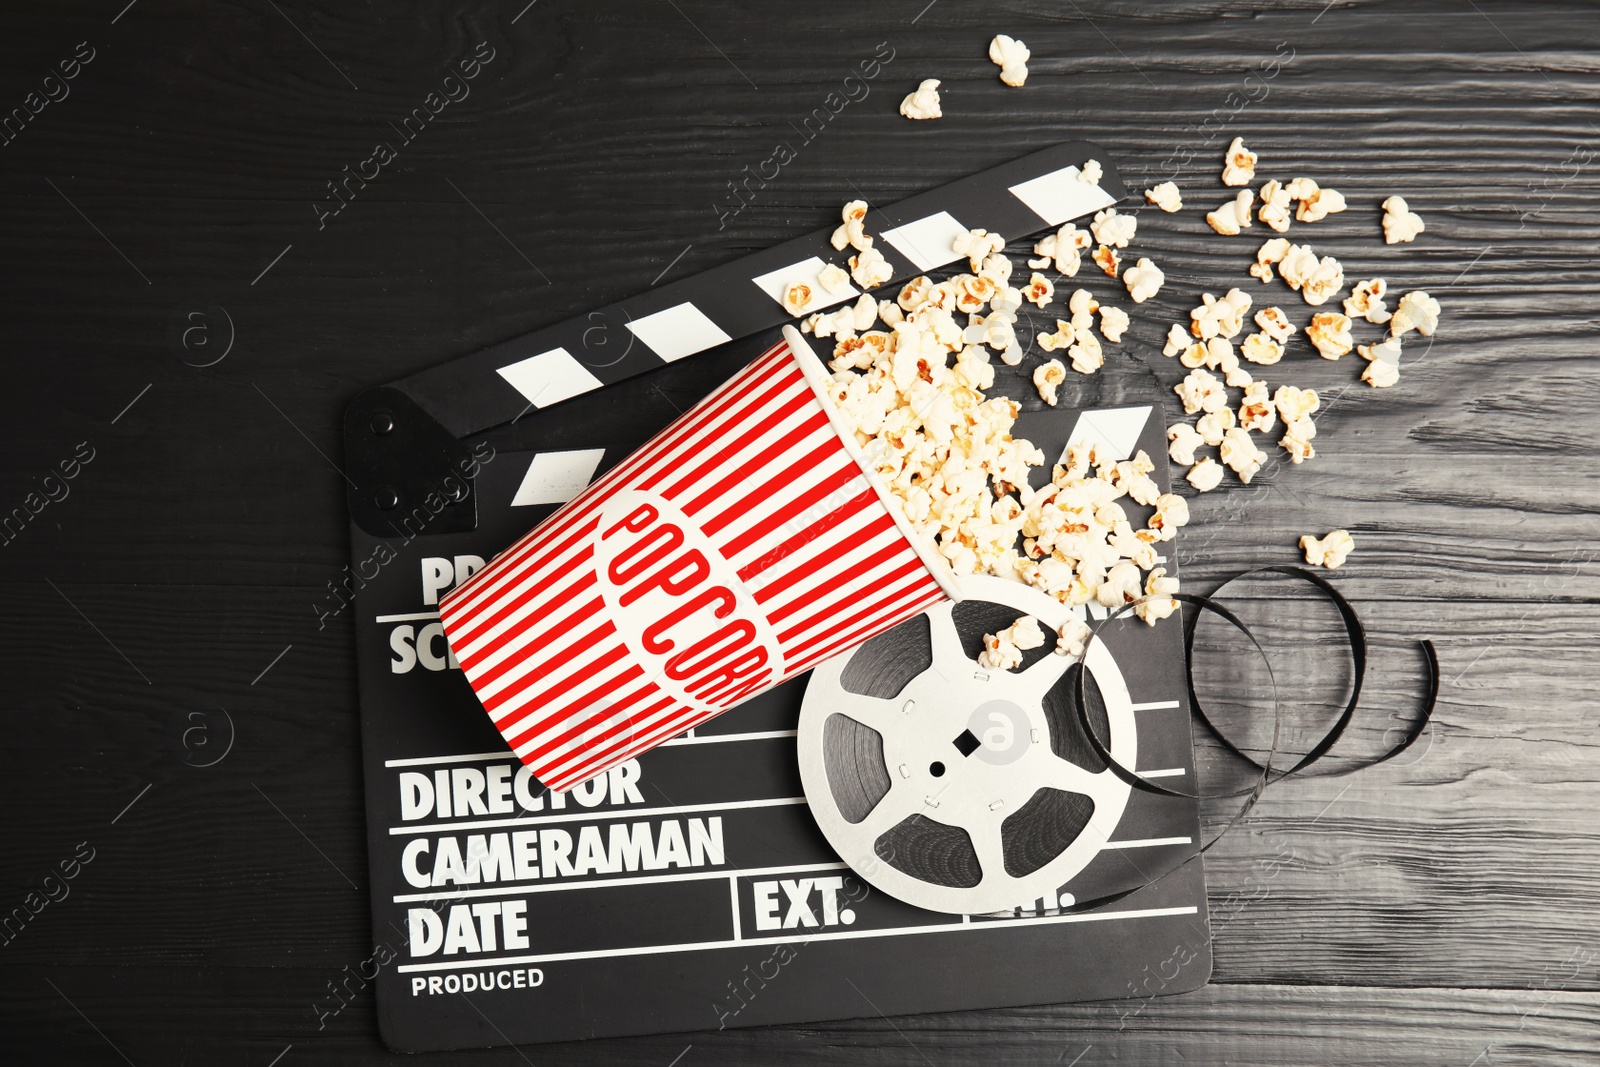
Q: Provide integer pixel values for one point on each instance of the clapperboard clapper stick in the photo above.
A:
(403, 441)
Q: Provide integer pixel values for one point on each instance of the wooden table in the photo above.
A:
(176, 199)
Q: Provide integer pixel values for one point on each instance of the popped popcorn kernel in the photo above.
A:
(1039, 290)
(1296, 440)
(866, 312)
(1329, 551)
(1417, 311)
(1177, 341)
(1165, 196)
(924, 102)
(1062, 248)
(1110, 228)
(1271, 251)
(1230, 312)
(1113, 323)
(1061, 339)
(1275, 203)
(1293, 403)
(1383, 363)
(1185, 439)
(1321, 203)
(1121, 585)
(797, 296)
(834, 278)
(1316, 278)
(999, 653)
(1233, 372)
(1400, 224)
(1106, 259)
(1172, 511)
(1256, 412)
(1143, 280)
(1003, 650)
(1388, 348)
(1240, 453)
(1091, 172)
(1366, 301)
(852, 231)
(1074, 638)
(1083, 305)
(1380, 374)
(915, 293)
(1011, 56)
(1259, 348)
(1232, 216)
(1197, 354)
(1205, 475)
(1201, 391)
(870, 269)
(1087, 356)
(1275, 324)
(1329, 334)
(1047, 378)
(1158, 603)
(1214, 425)
(997, 269)
(1302, 188)
(1224, 317)
(1238, 164)
(977, 246)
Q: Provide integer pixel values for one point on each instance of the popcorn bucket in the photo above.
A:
(742, 545)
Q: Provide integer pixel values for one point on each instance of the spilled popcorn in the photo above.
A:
(1400, 224)
(1144, 280)
(1004, 650)
(913, 388)
(1048, 378)
(1011, 56)
(924, 102)
(915, 394)
(1330, 551)
(1234, 215)
(1165, 196)
(852, 231)
(1238, 164)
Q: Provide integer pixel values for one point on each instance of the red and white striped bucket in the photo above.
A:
(742, 545)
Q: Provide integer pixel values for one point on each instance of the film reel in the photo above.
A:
(958, 788)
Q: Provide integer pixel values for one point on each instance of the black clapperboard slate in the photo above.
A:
(518, 954)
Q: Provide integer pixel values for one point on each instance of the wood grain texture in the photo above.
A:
(262, 1012)
(1440, 909)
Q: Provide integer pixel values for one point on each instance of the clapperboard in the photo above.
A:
(691, 889)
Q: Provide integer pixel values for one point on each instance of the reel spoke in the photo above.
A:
(898, 804)
(991, 855)
(945, 639)
(877, 714)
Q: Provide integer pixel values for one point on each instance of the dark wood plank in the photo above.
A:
(600, 143)
(260, 1013)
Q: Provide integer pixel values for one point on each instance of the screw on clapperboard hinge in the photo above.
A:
(408, 475)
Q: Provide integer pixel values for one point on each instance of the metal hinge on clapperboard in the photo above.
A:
(404, 440)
